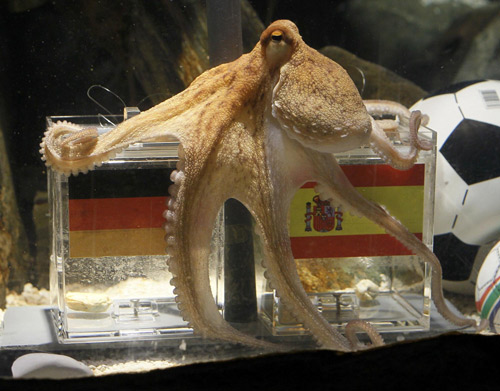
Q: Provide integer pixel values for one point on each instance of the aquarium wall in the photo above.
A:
(88, 62)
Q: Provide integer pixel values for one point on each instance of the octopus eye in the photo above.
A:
(278, 50)
(277, 36)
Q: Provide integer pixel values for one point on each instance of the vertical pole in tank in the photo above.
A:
(225, 41)
(240, 304)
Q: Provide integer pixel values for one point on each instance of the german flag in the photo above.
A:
(320, 230)
(118, 212)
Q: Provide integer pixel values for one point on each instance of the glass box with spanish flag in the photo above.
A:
(349, 266)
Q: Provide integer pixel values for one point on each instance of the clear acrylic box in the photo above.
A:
(109, 278)
(106, 287)
(352, 269)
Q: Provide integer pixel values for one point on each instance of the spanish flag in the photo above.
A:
(118, 212)
(319, 229)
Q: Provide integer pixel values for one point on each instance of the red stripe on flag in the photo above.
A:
(348, 246)
(370, 175)
(116, 213)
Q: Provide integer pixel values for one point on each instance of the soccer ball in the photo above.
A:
(466, 118)
(488, 289)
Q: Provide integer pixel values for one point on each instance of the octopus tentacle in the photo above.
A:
(360, 325)
(64, 143)
(383, 147)
(70, 149)
(189, 232)
(378, 107)
(282, 273)
(270, 210)
(333, 178)
(388, 125)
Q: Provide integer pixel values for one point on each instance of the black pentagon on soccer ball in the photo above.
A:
(473, 150)
(456, 257)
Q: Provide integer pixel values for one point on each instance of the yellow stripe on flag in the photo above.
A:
(117, 242)
(406, 203)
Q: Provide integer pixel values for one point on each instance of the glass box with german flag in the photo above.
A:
(109, 277)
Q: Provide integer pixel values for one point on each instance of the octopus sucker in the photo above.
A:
(173, 175)
(170, 216)
(171, 203)
(173, 189)
(257, 129)
(386, 107)
(170, 240)
(173, 281)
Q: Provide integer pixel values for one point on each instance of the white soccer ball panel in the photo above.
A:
(450, 191)
(478, 221)
(481, 102)
(444, 115)
(489, 272)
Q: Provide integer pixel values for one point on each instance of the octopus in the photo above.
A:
(256, 129)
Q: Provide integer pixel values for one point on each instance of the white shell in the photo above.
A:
(48, 366)
(366, 290)
(87, 302)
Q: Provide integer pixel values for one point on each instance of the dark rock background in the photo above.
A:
(52, 52)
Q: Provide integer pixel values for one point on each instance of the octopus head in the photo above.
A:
(314, 99)
(278, 42)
